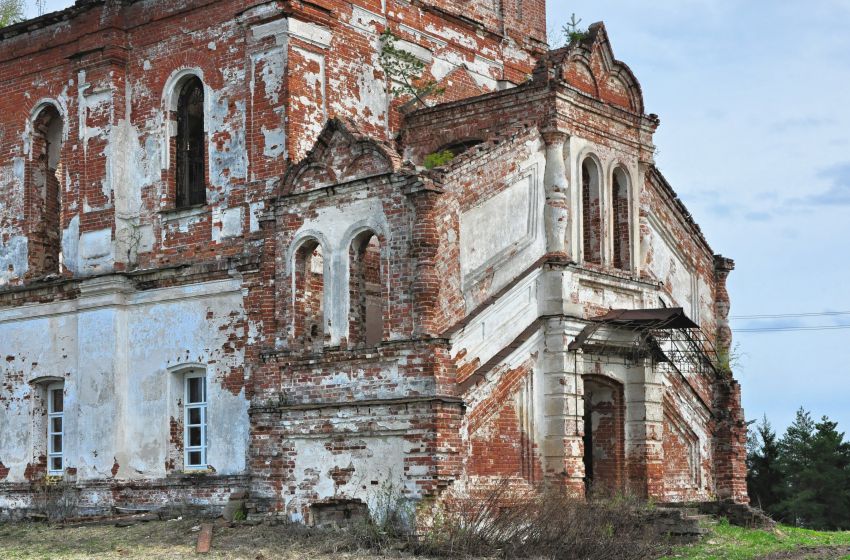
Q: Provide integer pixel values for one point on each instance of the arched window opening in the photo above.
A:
(591, 212)
(45, 193)
(190, 145)
(366, 321)
(309, 294)
(621, 220)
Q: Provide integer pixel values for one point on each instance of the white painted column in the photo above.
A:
(644, 394)
(563, 409)
(556, 185)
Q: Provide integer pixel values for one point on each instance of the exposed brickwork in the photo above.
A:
(362, 324)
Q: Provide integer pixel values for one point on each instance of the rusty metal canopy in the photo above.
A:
(663, 318)
(636, 320)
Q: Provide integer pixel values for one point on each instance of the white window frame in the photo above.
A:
(187, 408)
(51, 415)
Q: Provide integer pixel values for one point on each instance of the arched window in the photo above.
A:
(190, 145)
(366, 321)
(44, 204)
(621, 220)
(591, 212)
(309, 316)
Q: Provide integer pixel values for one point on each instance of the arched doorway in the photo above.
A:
(604, 434)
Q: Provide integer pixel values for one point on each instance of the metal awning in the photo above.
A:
(636, 320)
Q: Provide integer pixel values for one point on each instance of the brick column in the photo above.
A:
(730, 442)
(424, 246)
(730, 427)
(722, 268)
(555, 184)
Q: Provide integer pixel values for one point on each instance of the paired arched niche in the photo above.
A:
(605, 205)
(363, 289)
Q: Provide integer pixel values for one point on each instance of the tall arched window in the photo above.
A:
(366, 321)
(44, 205)
(591, 212)
(190, 145)
(309, 316)
(621, 220)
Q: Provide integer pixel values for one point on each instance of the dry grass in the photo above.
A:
(493, 522)
(500, 522)
(172, 540)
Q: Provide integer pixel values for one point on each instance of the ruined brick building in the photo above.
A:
(224, 265)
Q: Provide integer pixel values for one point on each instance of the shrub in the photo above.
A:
(438, 159)
(501, 522)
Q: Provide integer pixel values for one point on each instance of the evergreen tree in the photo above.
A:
(764, 477)
(815, 466)
(828, 482)
(794, 459)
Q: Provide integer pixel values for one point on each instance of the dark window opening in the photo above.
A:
(191, 184)
(591, 212)
(309, 295)
(366, 321)
(621, 219)
(44, 195)
(457, 148)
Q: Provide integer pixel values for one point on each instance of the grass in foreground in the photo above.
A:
(727, 542)
(175, 540)
(168, 540)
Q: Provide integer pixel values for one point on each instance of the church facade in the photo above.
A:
(235, 257)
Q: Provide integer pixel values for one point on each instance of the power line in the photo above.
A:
(789, 329)
(789, 315)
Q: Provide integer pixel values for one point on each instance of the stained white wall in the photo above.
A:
(116, 349)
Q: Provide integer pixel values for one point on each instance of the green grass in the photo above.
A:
(727, 542)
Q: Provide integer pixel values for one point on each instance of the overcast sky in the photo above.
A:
(753, 97)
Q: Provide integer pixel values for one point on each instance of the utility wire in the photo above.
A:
(788, 329)
(788, 315)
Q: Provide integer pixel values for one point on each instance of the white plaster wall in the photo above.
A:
(504, 234)
(669, 266)
(114, 349)
(381, 460)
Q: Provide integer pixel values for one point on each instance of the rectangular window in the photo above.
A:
(195, 421)
(55, 428)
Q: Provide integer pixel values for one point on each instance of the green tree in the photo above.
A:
(815, 464)
(11, 11)
(793, 461)
(764, 477)
(404, 70)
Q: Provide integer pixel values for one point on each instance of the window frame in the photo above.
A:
(189, 406)
(52, 414)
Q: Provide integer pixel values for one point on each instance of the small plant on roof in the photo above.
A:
(573, 32)
(438, 159)
(404, 70)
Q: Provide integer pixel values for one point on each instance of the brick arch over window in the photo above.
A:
(591, 211)
(366, 294)
(621, 219)
(308, 313)
(604, 434)
(43, 196)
